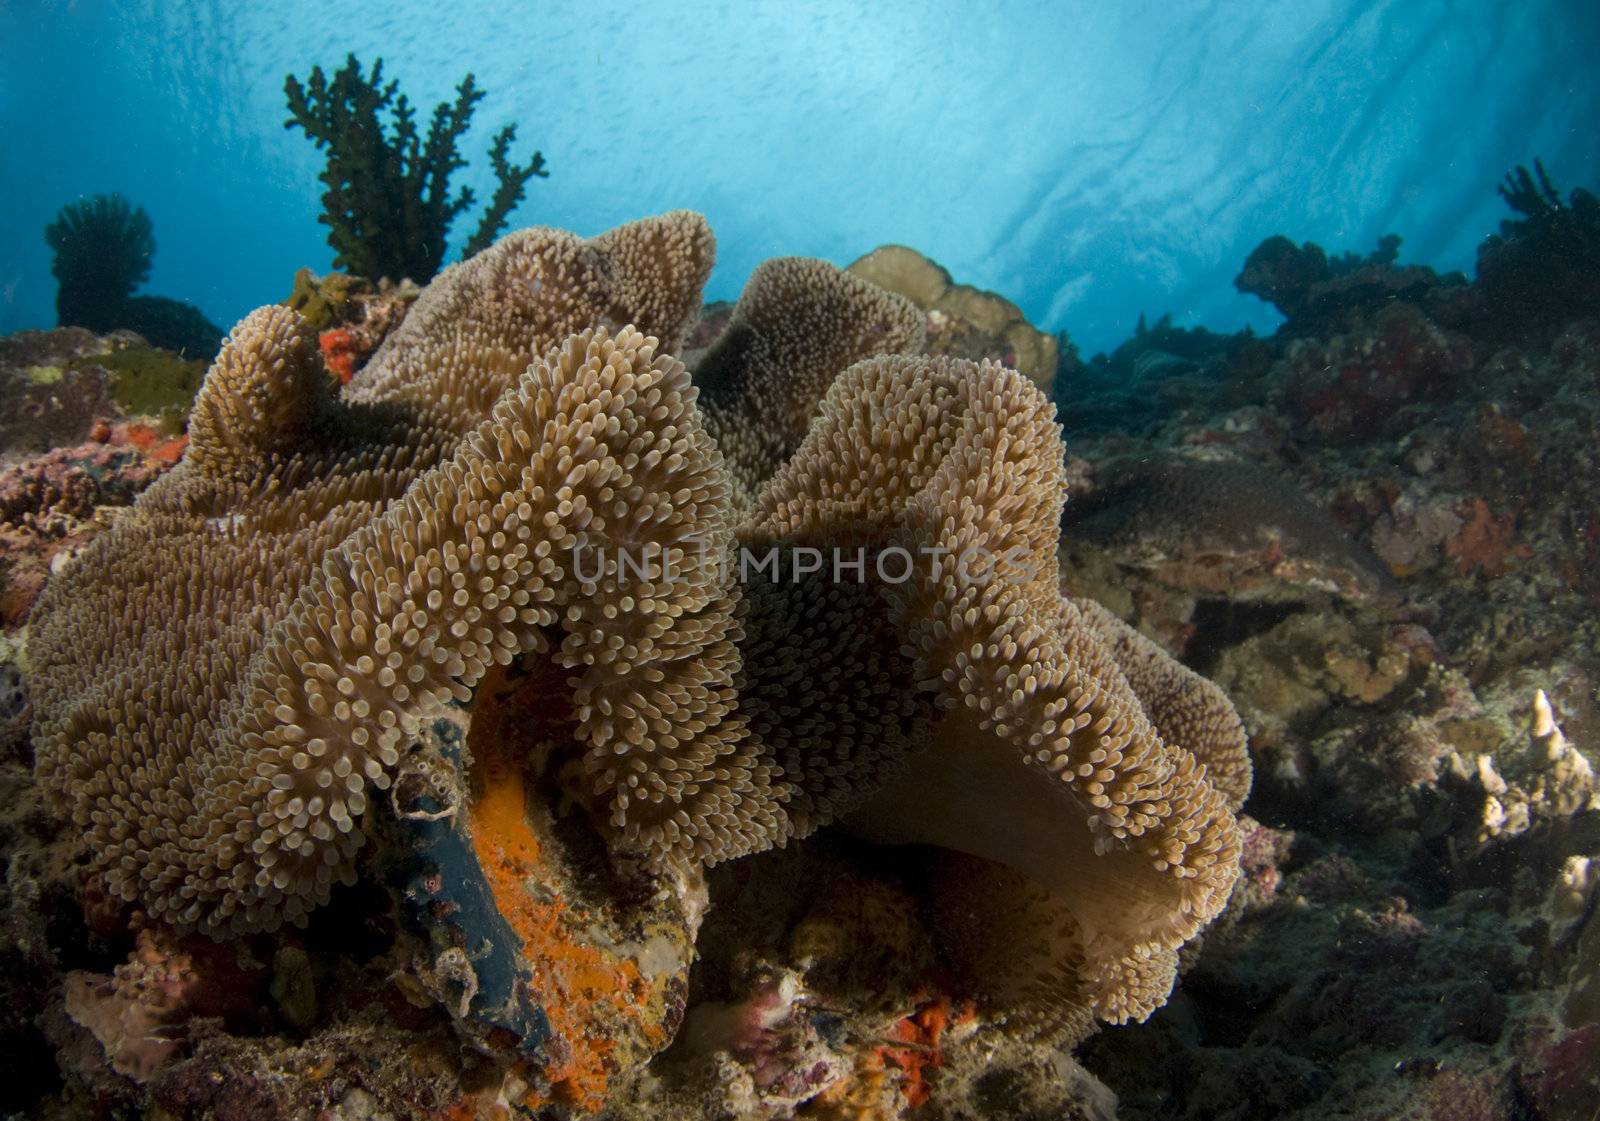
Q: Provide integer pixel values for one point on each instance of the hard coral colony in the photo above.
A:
(228, 681)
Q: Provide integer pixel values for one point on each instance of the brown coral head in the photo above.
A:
(227, 677)
(260, 395)
(479, 325)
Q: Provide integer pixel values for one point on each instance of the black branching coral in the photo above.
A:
(1531, 194)
(388, 204)
(103, 246)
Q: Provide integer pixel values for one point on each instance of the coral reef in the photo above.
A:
(388, 205)
(323, 301)
(1533, 279)
(1374, 531)
(140, 1012)
(102, 253)
(351, 316)
(1406, 937)
(57, 386)
(149, 382)
(962, 321)
(54, 504)
(51, 388)
(1318, 295)
(833, 1004)
(107, 406)
(266, 421)
(1542, 270)
(705, 780)
(1161, 350)
(1373, 383)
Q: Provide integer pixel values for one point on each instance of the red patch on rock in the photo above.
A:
(1348, 387)
(339, 352)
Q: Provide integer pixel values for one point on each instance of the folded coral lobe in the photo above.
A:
(1043, 759)
(226, 676)
(798, 324)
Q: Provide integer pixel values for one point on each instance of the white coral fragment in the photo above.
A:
(1552, 778)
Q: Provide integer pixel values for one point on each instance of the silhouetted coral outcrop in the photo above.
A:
(103, 248)
(1538, 274)
(1315, 291)
(1542, 269)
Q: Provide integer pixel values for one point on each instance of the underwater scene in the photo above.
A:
(818, 561)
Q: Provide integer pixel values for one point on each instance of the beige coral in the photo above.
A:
(1550, 778)
(798, 324)
(279, 612)
(966, 321)
(474, 331)
(1185, 708)
(226, 676)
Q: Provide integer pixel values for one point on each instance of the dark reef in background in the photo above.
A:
(388, 206)
(1366, 341)
(1410, 635)
(1316, 293)
(1538, 274)
(1163, 350)
(102, 250)
(1543, 269)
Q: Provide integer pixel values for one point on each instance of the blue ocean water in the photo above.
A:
(1089, 160)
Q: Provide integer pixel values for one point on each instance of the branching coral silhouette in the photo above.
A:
(388, 204)
(1544, 265)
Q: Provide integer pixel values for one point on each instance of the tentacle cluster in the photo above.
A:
(526, 472)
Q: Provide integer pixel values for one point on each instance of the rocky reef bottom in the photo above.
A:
(1378, 531)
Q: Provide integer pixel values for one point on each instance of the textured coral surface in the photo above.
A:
(1311, 655)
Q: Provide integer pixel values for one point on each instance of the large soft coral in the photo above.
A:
(517, 479)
